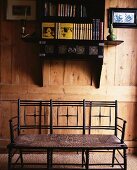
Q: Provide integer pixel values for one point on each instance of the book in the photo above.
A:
(65, 31)
(48, 30)
(101, 35)
(97, 29)
(46, 9)
(93, 30)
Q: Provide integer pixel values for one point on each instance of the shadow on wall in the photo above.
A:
(20, 61)
(28, 63)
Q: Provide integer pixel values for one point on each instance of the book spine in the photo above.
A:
(83, 30)
(81, 10)
(87, 36)
(56, 26)
(71, 10)
(91, 27)
(50, 9)
(58, 30)
(101, 36)
(74, 29)
(97, 28)
(66, 9)
(84, 12)
(46, 9)
(93, 30)
(59, 9)
(74, 10)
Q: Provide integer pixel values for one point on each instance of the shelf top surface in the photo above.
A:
(68, 41)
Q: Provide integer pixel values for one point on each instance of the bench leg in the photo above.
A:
(87, 159)
(21, 158)
(9, 158)
(125, 159)
(113, 157)
(83, 158)
(49, 158)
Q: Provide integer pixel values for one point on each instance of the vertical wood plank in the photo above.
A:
(77, 73)
(0, 35)
(128, 112)
(127, 58)
(46, 72)
(4, 117)
(108, 69)
(6, 64)
(57, 73)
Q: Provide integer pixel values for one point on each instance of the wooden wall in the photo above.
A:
(20, 74)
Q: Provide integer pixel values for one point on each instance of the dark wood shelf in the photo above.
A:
(36, 39)
(70, 41)
(66, 19)
(69, 57)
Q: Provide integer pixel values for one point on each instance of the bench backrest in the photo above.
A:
(51, 116)
(102, 116)
(85, 117)
(32, 114)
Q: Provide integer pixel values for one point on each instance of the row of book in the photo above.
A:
(64, 10)
(86, 31)
(97, 29)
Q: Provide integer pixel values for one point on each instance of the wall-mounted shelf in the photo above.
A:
(35, 39)
(95, 59)
(113, 43)
(71, 49)
(72, 30)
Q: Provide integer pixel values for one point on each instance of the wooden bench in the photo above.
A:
(82, 127)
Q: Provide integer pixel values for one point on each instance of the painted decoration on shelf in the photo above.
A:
(62, 49)
(93, 50)
(49, 49)
(80, 49)
(123, 17)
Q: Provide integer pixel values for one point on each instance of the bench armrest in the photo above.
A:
(121, 126)
(13, 128)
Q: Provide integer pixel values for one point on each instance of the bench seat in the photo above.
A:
(56, 141)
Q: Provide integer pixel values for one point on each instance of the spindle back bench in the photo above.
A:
(52, 126)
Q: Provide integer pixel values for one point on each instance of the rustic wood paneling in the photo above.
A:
(20, 73)
(80, 75)
(125, 54)
(126, 66)
(6, 64)
(66, 73)
(108, 69)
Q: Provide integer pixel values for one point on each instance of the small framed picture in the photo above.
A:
(21, 9)
(123, 17)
